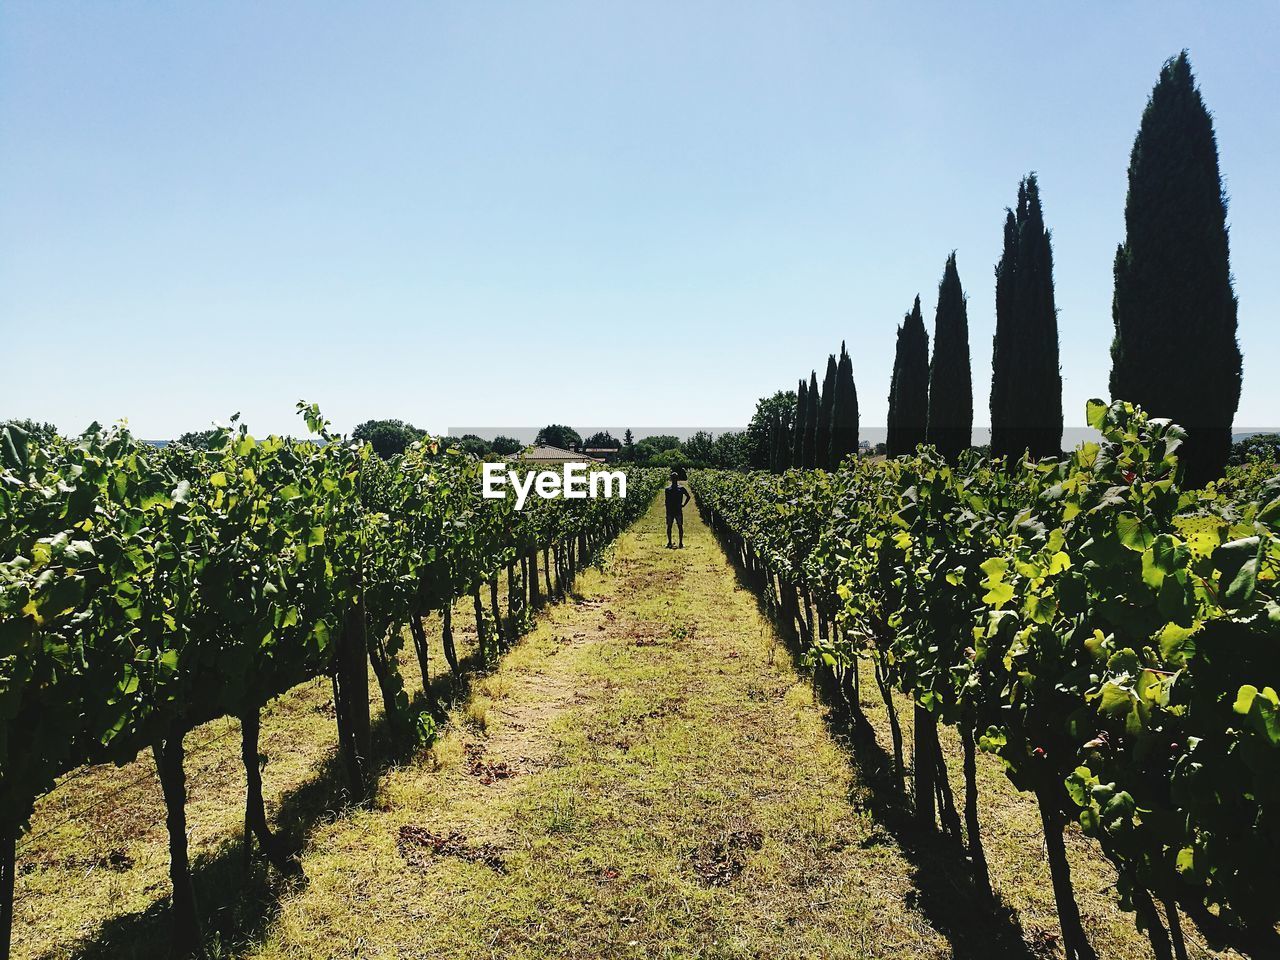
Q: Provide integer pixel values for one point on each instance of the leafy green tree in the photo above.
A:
(650, 447)
(909, 387)
(472, 444)
(1259, 446)
(760, 430)
(950, 425)
(628, 452)
(558, 435)
(671, 457)
(731, 451)
(698, 448)
(601, 440)
(1026, 381)
(200, 439)
(661, 441)
(505, 446)
(798, 423)
(1175, 350)
(388, 438)
(811, 423)
(822, 439)
(844, 412)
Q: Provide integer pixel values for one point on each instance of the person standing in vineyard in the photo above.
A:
(677, 497)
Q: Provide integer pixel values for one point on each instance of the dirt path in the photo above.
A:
(644, 776)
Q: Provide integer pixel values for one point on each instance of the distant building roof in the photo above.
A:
(546, 454)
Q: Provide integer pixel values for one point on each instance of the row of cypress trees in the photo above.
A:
(824, 427)
(1175, 350)
(931, 401)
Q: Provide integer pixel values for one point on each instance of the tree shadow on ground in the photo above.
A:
(239, 903)
(943, 887)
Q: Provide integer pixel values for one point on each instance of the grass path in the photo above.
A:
(645, 775)
(673, 792)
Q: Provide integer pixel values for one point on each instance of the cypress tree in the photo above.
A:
(822, 442)
(1026, 381)
(811, 421)
(1001, 343)
(950, 425)
(844, 411)
(1175, 350)
(909, 389)
(798, 428)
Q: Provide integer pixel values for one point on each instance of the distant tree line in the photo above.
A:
(391, 438)
(1259, 446)
(702, 449)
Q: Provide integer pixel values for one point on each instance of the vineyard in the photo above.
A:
(903, 662)
(1107, 635)
(146, 592)
(1101, 635)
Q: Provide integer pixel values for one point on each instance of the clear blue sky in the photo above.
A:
(589, 212)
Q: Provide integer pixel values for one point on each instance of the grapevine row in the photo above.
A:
(1113, 638)
(144, 592)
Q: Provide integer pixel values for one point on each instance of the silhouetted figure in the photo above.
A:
(677, 497)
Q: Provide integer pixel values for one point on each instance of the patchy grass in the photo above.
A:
(476, 712)
(656, 809)
(644, 775)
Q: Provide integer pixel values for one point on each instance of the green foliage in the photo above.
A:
(38, 431)
(1175, 351)
(471, 444)
(731, 451)
(210, 439)
(145, 590)
(1026, 383)
(822, 437)
(699, 448)
(1247, 480)
(1110, 636)
(798, 427)
(909, 388)
(627, 454)
(558, 435)
(779, 446)
(1260, 446)
(648, 449)
(505, 446)
(673, 457)
(779, 408)
(388, 438)
(602, 439)
(811, 415)
(844, 412)
(950, 426)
